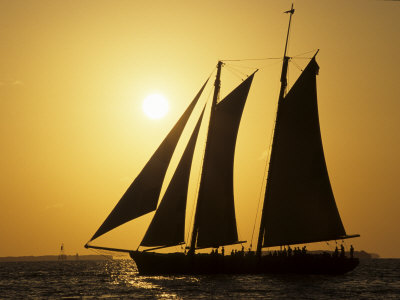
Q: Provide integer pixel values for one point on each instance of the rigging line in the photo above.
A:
(198, 182)
(258, 204)
(241, 66)
(304, 53)
(100, 253)
(258, 67)
(264, 180)
(236, 69)
(270, 65)
(247, 59)
(300, 57)
(265, 176)
(235, 72)
(199, 177)
(297, 66)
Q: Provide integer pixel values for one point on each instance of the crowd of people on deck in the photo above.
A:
(289, 251)
(283, 252)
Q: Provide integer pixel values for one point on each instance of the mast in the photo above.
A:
(217, 85)
(285, 58)
(281, 94)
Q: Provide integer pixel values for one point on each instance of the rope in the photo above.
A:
(198, 184)
(102, 254)
(271, 64)
(300, 57)
(297, 66)
(258, 205)
(297, 56)
(236, 67)
(240, 66)
(265, 177)
(248, 59)
(235, 72)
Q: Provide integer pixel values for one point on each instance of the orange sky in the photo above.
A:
(73, 75)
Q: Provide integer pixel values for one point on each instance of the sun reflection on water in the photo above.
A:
(125, 273)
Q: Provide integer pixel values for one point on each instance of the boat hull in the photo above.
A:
(151, 263)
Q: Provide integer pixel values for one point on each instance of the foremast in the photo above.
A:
(217, 85)
(281, 95)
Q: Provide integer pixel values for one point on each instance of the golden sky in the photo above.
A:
(73, 75)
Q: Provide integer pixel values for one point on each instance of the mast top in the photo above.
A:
(291, 12)
(285, 58)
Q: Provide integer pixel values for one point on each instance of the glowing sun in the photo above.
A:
(155, 106)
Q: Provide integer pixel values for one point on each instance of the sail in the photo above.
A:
(142, 195)
(168, 224)
(299, 202)
(215, 206)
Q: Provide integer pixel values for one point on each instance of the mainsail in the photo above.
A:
(215, 215)
(299, 204)
(142, 195)
(168, 225)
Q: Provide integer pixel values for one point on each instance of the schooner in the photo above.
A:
(299, 206)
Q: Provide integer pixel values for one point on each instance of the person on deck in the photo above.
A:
(336, 253)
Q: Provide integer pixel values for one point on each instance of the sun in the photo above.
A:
(155, 106)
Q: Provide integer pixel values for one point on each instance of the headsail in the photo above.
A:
(299, 204)
(142, 195)
(168, 225)
(216, 221)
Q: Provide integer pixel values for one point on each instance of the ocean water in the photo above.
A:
(118, 279)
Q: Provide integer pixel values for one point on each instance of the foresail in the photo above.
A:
(299, 202)
(168, 225)
(142, 195)
(216, 221)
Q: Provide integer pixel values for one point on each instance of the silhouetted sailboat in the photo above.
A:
(299, 206)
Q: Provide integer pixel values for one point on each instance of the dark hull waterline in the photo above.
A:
(151, 263)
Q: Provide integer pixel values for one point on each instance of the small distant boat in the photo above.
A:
(299, 205)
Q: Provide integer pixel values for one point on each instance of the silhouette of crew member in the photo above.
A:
(341, 250)
(336, 253)
(351, 251)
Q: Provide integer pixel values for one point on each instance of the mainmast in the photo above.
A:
(217, 88)
(285, 59)
(281, 94)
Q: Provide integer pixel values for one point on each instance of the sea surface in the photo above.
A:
(118, 279)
